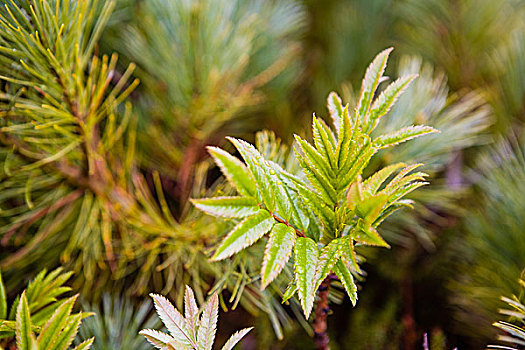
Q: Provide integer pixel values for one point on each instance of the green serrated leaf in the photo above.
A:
(347, 280)
(312, 157)
(371, 81)
(349, 175)
(227, 207)
(68, 334)
(406, 190)
(306, 255)
(324, 140)
(355, 193)
(369, 208)
(374, 182)
(392, 208)
(368, 235)
(345, 138)
(85, 345)
(348, 254)
(14, 307)
(244, 234)
(299, 215)
(386, 100)
(3, 299)
(208, 323)
(406, 170)
(335, 108)
(320, 182)
(235, 171)
(269, 184)
(55, 324)
(402, 180)
(403, 135)
(328, 257)
(44, 290)
(44, 314)
(8, 327)
(290, 291)
(313, 201)
(235, 338)
(24, 334)
(278, 251)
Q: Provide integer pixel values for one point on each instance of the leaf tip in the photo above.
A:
(353, 300)
(388, 50)
(216, 257)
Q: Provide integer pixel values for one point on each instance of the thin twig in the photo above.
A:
(297, 231)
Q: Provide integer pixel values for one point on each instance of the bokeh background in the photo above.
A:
(212, 68)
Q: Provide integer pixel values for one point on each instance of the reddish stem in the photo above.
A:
(278, 219)
(322, 309)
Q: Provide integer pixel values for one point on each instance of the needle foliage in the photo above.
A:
(494, 233)
(72, 187)
(514, 329)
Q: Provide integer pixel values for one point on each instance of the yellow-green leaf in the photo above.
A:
(327, 259)
(278, 251)
(306, 254)
(67, 335)
(244, 234)
(270, 187)
(3, 299)
(227, 207)
(335, 108)
(55, 325)
(324, 140)
(290, 291)
(368, 235)
(386, 100)
(369, 208)
(85, 345)
(374, 182)
(348, 254)
(235, 171)
(347, 280)
(403, 135)
(371, 81)
(346, 137)
(24, 334)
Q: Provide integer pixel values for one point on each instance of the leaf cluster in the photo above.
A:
(41, 310)
(189, 332)
(322, 214)
(463, 121)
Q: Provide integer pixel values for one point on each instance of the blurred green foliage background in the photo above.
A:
(211, 68)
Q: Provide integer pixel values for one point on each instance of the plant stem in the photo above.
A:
(322, 309)
(407, 306)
